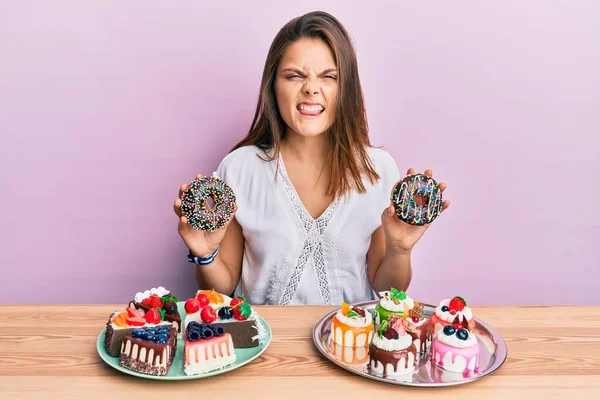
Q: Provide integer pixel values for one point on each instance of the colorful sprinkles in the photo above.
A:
(195, 208)
(403, 198)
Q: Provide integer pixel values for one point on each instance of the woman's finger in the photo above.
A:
(177, 207)
(442, 186)
(428, 173)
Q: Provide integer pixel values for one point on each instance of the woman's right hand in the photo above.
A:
(201, 243)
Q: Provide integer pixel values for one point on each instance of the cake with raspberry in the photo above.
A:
(456, 349)
(161, 299)
(450, 312)
(122, 324)
(392, 351)
(352, 327)
(149, 350)
(235, 315)
(207, 348)
(419, 328)
(393, 302)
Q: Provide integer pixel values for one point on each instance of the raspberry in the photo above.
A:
(152, 316)
(154, 301)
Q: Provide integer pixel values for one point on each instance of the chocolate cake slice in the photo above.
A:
(149, 350)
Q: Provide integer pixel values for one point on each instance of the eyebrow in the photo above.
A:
(328, 70)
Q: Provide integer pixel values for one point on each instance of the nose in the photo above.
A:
(311, 88)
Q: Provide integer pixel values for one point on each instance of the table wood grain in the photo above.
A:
(49, 352)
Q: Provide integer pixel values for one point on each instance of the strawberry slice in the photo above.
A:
(152, 316)
(136, 321)
(132, 312)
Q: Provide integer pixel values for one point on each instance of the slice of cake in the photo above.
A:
(207, 348)
(122, 324)
(352, 326)
(392, 351)
(149, 350)
(450, 312)
(455, 349)
(161, 299)
(393, 302)
(235, 315)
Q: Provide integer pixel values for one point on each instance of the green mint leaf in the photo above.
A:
(245, 310)
(352, 313)
(400, 295)
(162, 314)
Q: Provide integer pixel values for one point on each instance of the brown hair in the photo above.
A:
(347, 157)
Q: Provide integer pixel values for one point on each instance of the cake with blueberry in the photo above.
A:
(122, 324)
(450, 312)
(161, 299)
(455, 349)
(352, 326)
(235, 315)
(207, 348)
(419, 328)
(393, 302)
(149, 350)
(392, 351)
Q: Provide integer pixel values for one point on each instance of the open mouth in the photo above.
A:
(310, 109)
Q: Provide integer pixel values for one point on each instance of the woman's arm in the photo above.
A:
(387, 265)
(223, 274)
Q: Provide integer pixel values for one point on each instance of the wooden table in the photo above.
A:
(49, 352)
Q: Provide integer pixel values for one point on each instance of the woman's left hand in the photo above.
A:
(400, 235)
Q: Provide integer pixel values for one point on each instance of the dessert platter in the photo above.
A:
(398, 340)
(156, 336)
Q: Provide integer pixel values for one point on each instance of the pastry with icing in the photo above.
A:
(419, 328)
(352, 326)
(456, 349)
(149, 350)
(392, 351)
(393, 302)
(450, 312)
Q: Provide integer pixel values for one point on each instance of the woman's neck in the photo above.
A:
(306, 150)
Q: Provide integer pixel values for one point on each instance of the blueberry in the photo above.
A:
(151, 330)
(193, 325)
(219, 330)
(162, 336)
(163, 329)
(444, 308)
(193, 335)
(207, 333)
(462, 334)
(225, 313)
(149, 336)
(449, 330)
(161, 340)
(137, 333)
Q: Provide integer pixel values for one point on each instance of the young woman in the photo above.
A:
(313, 223)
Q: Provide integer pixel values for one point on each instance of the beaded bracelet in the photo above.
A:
(203, 260)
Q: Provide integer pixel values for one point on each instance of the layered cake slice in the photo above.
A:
(207, 348)
(161, 299)
(235, 315)
(352, 326)
(392, 351)
(122, 324)
(149, 350)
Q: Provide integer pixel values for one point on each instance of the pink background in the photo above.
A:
(106, 107)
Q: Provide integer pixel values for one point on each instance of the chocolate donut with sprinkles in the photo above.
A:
(194, 203)
(417, 199)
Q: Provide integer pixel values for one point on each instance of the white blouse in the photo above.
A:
(291, 258)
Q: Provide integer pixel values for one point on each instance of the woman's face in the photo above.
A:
(306, 87)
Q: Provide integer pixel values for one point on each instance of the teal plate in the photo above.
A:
(243, 356)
